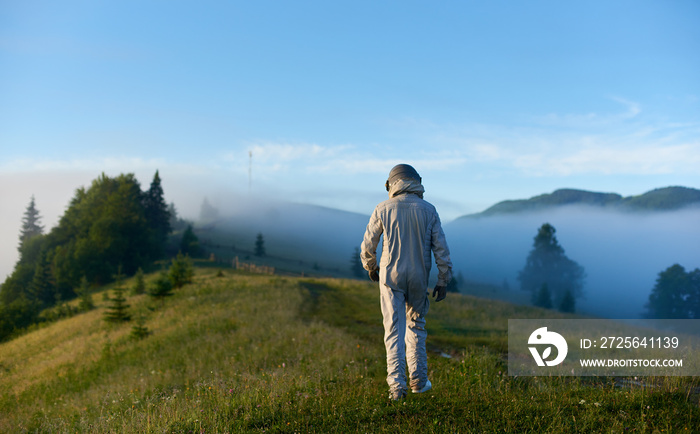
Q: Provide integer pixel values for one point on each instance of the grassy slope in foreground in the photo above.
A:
(265, 353)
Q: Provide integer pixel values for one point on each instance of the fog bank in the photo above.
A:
(301, 232)
(622, 252)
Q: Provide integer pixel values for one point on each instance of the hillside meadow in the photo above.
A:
(235, 352)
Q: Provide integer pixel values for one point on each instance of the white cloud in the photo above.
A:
(292, 153)
(630, 110)
(340, 160)
(627, 146)
(633, 108)
(647, 160)
(623, 142)
(591, 156)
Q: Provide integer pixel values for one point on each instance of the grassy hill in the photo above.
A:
(236, 352)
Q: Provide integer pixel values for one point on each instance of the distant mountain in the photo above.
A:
(660, 199)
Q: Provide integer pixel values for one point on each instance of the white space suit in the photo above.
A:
(412, 230)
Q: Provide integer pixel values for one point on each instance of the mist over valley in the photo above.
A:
(311, 235)
(622, 252)
(622, 249)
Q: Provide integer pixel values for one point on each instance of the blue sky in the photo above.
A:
(488, 100)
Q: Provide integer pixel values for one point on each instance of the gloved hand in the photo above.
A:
(374, 275)
(441, 292)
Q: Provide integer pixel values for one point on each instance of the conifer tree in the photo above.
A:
(694, 297)
(83, 292)
(260, 245)
(208, 213)
(118, 309)
(139, 330)
(548, 264)
(30, 224)
(454, 284)
(42, 288)
(568, 303)
(162, 287)
(176, 223)
(181, 271)
(505, 285)
(31, 228)
(543, 297)
(675, 295)
(139, 283)
(356, 264)
(189, 245)
(157, 214)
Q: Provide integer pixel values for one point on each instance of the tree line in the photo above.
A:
(110, 228)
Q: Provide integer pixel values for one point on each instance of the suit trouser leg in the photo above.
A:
(416, 352)
(393, 304)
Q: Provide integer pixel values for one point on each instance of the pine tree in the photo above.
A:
(694, 298)
(260, 245)
(181, 271)
(568, 303)
(42, 288)
(675, 294)
(189, 245)
(30, 224)
(543, 297)
(208, 213)
(139, 283)
(176, 223)
(356, 264)
(139, 330)
(548, 264)
(505, 285)
(162, 287)
(118, 309)
(157, 214)
(83, 292)
(453, 285)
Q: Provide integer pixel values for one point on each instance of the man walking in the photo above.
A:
(412, 230)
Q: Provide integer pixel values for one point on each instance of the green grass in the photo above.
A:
(246, 353)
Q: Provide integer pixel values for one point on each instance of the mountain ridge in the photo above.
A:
(660, 199)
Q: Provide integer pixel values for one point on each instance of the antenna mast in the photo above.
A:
(250, 171)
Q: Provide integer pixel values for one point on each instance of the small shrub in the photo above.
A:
(139, 330)
(181, 271)
(118, 309)
(162, 287)
(139, 283)
(83, 291)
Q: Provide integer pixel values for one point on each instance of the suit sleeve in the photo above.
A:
(368, 253)
(442, 254)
